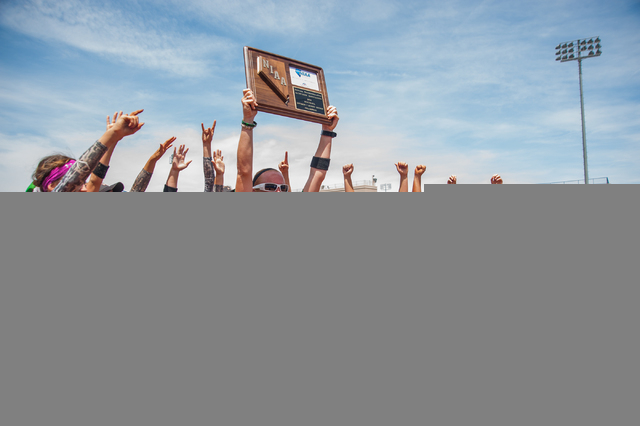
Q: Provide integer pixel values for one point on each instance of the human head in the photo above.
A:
(268, 175)
(44, 169)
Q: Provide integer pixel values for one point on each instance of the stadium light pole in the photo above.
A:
(577, 50)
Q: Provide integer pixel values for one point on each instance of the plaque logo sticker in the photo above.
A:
(302, 78)
(274, 74)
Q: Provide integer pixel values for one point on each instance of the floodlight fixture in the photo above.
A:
(568, 55)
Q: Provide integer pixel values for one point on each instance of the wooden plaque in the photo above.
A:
(286, 87)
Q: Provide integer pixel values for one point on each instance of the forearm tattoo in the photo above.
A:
(77, 175)
(142, 181)
(209, 174)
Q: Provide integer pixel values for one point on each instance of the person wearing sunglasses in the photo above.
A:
(271, 180)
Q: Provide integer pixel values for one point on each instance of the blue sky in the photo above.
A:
(465, 87)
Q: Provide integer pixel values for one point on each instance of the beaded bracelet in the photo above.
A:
(249, 126)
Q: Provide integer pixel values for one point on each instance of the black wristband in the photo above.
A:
(101, 170)
(320, 163)
(170, 189)
(328, 133)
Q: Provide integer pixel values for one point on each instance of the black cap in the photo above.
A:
(116, 187)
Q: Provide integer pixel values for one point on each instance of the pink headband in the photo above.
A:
(56, 174)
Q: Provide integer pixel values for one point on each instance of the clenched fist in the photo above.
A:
(496, 179)
(403, 169)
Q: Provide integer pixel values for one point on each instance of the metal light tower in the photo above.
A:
(577, 50)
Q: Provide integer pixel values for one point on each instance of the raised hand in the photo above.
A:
(178, 159)
(207, 134)
(218, 162)
(127, 125)
(347, 170)
(162, 149)
(249, 106)
(110, 123)
(496, 179)
(284, 165)
(453, 179)
(403, 169)
(332, 114)
(420, 170)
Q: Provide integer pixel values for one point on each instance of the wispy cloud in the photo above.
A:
(290, 17)
(121, 34)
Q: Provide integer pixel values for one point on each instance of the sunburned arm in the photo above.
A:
(403, 170)
(347, 170)
(417, 178)
(244, 180)
(316, 176)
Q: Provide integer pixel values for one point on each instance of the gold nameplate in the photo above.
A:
(286, 87)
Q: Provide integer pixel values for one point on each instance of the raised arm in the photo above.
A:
(177, 166)
(347, 170)
(75, 178)
(100, 172)
(403, 170)
(207, 159)
(244, 180)
(453, 179)
(321, 160)
(284, 169)
(144, 177)
(417, 178)
(496, 180)
(218, 165)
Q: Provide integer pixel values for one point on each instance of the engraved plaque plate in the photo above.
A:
(308, 100)
(286, 87)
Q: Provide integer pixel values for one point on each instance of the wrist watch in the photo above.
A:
(328, 133)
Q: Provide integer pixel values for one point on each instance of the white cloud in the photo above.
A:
(127, 37)
(291, 17)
